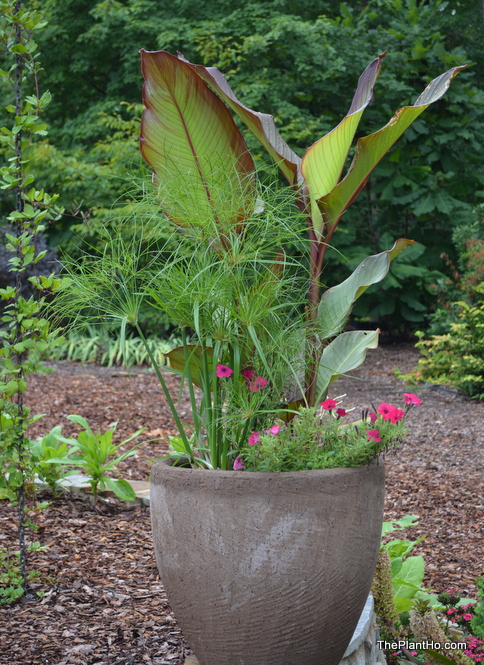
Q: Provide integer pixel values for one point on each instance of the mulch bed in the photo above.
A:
(103, 602)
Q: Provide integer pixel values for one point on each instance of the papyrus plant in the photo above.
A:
(195, 148)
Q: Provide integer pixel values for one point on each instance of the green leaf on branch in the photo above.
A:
(178, 363)
(262, 125)
(323, 162)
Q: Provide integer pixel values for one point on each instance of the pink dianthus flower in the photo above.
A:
(223, 372)
(410, 398)
(274, 430)
(238, 464)
(254, 438)
(329, 404)
(396, 415)
(373, 435)
(258, 383)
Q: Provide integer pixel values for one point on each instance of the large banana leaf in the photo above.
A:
(370, 149)
(323, 162)
(344, 354)
(336, 303)
(261, 124)
(199, 157)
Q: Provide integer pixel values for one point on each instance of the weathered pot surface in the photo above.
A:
(267, 568)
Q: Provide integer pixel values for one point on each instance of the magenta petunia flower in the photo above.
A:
(248, 374)
(254, 438)
(341, 413)
(274, 430)
(396, 415)
(223, 372)
(410, 398)
(373, 435)
(373, 417)
(238, 464)
(329, 404)
(385, 410)
(258, 383)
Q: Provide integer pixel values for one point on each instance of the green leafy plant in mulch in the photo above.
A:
(455, 356)
(421, 627)
(97, 344)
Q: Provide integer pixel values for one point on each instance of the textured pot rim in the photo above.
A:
(288, 475)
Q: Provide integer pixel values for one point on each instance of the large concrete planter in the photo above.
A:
(267, 569)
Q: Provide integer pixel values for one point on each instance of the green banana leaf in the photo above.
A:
(323, 162)
(200, 159)
(370, 149)
(346, 352)
(336, 303)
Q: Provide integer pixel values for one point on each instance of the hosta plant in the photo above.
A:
(236, 263)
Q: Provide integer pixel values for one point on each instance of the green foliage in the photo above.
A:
(452, 354)
(25, 333)
(456, 359)
(43, 451)
(106, 348)
(298, 61)
(477, 623)
(11, 575)
(91, 452)
(318, 440)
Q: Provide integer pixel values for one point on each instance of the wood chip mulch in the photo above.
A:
(102, 599)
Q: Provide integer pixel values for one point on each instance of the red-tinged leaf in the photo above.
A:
(370, 149)
(262, 125)
(287, 415)
(178, 363)
(201, 163)
(323, 162)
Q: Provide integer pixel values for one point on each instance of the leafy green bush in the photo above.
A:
(457, 358)
(91, 453)
(477, 623)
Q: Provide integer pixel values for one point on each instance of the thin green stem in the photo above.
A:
(166, 392)
(193, 401)
(207, 384)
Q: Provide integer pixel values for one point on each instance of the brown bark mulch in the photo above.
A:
(103, 602)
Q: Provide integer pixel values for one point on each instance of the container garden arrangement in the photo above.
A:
(267, 514)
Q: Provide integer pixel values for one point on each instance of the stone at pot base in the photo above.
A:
(362, 650)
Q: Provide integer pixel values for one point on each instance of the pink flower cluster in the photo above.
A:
(475, 649)
(391, 413)
(255, 436)
(254, 383)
